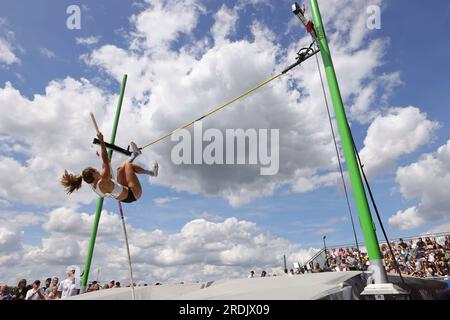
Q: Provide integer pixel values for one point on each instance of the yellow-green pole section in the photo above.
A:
(362, 205)
(98, 212)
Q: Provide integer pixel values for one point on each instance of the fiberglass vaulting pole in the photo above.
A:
(98, 211)
(367, 225)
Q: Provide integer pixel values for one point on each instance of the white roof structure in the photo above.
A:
(311, 286)
(298, 287)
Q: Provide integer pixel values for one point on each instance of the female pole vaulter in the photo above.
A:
(126, 189)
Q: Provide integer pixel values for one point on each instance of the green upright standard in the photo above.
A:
(362, 205)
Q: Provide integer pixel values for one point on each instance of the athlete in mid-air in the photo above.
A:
(127, 188)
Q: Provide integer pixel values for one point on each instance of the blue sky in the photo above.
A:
(417, 48)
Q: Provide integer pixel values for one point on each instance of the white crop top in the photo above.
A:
(117, 191)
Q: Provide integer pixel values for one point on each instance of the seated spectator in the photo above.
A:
(333, 264)
(20, 292)
(402, 244)
(117, 285)
(411, 252)
(420, 254)
(438, 244)
(317, 268)
(403, 269)
(47, 284)
(429, 271)
(53, 294)
(420, 244)
(341, 253)
(4, 293)
(68, 287)
(36, 292)
(333, 253)
(350, 260)
(429, 244)
(390, 268)
(447, 243)
(94, 287)
(54, 283)
(431, 257)
(403, 262)
(252, 274)
(440, 268)
(384, 250)
(442, 263)
(263, 274)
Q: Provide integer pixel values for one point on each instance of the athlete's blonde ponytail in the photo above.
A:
(71, 182)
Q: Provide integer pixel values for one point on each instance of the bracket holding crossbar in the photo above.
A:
(126, 152)
(308, 53)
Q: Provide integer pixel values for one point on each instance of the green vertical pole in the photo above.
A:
(362, 205)
(98, 212)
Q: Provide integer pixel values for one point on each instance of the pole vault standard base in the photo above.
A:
(378, 286)
(385, 291)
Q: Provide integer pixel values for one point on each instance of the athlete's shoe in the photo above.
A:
(135, 150)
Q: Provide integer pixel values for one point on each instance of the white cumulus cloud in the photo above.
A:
(164, 200)
(7, 55)
(399, 132)
(7, 47)
(47, 53)
(88, 40)
(426, 180)
(200, 250)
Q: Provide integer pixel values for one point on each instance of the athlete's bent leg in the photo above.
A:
(132, 180)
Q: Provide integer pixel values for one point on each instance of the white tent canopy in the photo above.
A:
(326, 285)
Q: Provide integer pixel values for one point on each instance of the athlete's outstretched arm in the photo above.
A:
(106, 164)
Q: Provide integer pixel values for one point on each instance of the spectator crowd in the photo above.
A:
(53, 288)
(421, 258)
